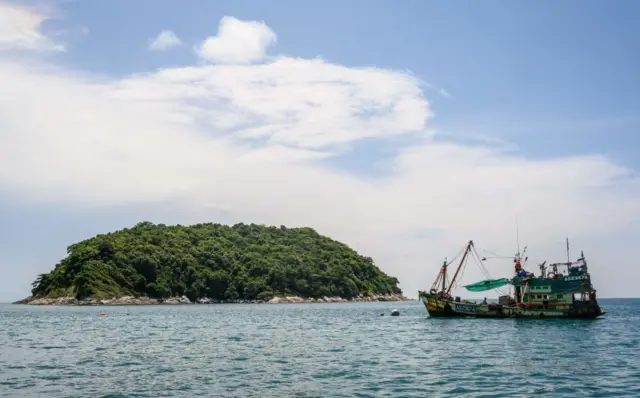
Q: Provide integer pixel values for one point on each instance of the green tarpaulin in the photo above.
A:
(487, 285)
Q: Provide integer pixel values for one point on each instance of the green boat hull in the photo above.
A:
(440, 307)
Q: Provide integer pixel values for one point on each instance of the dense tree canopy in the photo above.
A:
(215, 261)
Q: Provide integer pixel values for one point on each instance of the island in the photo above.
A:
(211, 263)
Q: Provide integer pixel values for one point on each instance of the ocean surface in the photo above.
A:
(313, 350)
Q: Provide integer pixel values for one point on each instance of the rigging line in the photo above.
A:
(460, 272)
(484, 270)
(499, 290)
(462, 269)
(492, 253)
(447, 279)
(438, 280)
(456, 256)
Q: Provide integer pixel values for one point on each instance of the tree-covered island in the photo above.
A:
(151, 263)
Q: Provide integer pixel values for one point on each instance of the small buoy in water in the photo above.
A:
(395, 312)
(382, 314)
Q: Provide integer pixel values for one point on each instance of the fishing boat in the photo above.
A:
(555, 293)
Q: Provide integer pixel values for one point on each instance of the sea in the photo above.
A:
(313, 350)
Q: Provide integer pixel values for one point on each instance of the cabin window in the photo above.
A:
(560, 297)
(538, 296)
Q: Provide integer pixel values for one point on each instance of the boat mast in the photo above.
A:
(464, 256)
(442, 277)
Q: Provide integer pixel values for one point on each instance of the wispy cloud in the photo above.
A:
(444, 93)
(247, 138)
(164, 41)
(20, 29)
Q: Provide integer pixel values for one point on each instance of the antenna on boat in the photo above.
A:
(518, 236)
(568, 256)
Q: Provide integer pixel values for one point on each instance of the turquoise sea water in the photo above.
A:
(312, 350)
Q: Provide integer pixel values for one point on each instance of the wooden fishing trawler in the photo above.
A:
(553, 294)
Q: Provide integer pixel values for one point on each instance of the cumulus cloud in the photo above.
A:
(237, 42)
(20, 29)
(164, 41)
(248, 140)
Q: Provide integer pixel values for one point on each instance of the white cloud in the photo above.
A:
(306, 103)
(247, 139)
(237, 42)
(20, 29)
(164, 41)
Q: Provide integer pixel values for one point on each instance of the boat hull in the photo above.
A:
(438, 307)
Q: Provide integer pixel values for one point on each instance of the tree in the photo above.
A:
(231, 293)
(221, 262)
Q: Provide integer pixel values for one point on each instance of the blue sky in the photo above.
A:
(546, 83)
(553, 78)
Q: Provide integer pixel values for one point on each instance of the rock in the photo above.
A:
(295, 299)
(171, 300)
(41, 301)
(24, 300)
(53, 301)
(124, 300)
(130, 300)
(177, 300)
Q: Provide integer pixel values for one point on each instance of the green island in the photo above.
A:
(205, 263)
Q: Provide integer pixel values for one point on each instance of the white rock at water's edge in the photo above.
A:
(130, 300)
(296, 299)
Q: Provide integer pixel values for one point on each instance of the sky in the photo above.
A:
(403, 129)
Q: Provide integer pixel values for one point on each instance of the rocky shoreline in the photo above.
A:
(130, 300)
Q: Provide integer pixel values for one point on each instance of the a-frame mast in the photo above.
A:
(464, 257)
(441, 280)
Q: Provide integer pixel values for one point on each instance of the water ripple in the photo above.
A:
(312, 350)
